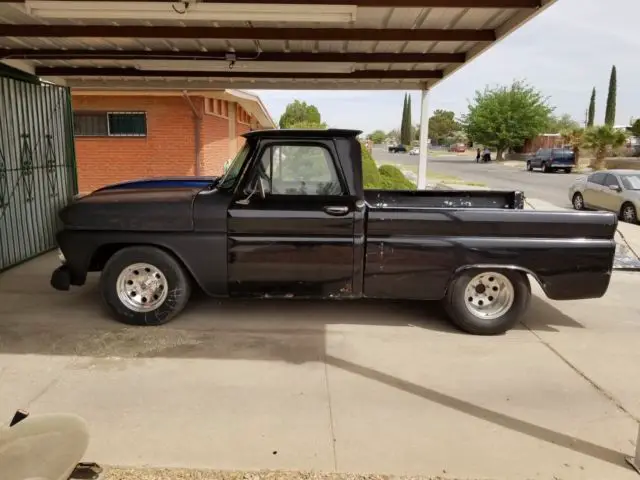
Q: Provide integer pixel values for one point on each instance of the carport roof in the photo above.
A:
(297, 44)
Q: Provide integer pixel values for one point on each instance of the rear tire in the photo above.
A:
(144, 286)
(628, 213)
(545, 168)
(487, 301)
(567, 170)
(578, 201)
(529, 167)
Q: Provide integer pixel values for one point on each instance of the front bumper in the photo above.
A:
(61, 278)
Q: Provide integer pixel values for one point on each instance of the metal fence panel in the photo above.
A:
(37, 167)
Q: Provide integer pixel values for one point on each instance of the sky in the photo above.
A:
(564, 52)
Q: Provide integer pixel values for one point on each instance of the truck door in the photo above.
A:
(294, 238)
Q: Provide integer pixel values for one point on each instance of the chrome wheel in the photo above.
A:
(141, 287)
(489, 295)
(629, 214)
(578, 202)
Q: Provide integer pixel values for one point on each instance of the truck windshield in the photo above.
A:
(228, 180)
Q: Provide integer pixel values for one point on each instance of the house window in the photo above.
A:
(217, 107)
(243, 116)
(110, 124)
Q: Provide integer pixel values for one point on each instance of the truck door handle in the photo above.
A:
(337, 211)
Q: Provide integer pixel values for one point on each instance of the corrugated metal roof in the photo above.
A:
(275, 54)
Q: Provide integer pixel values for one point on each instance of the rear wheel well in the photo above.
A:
(104, 252)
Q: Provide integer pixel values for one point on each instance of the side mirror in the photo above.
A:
(615, 188)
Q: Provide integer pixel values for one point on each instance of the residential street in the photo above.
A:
(550, 187)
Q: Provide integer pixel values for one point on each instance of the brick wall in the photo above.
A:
(242, 117)
(167, 150)
(214, 142)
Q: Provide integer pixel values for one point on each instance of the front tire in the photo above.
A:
(546, 168)
(487, 302)
(629, 214)
(578, 201)
(529, 167)
(144, 286)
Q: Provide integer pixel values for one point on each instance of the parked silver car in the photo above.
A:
(613, 190)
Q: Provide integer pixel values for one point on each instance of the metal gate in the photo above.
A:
(37, 166)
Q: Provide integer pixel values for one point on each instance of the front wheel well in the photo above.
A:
(104, 252)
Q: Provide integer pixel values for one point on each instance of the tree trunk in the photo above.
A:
(598, 162)
(500, 155)
(576, 155)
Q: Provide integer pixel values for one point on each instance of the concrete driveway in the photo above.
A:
(351, 386)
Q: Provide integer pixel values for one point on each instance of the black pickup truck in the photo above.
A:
(290, 218)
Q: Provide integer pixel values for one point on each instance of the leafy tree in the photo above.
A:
(308, 125)
(561, 124)
(442, 124)
(377, 136)
(298, 113)
(610, 114)
(601, 140)
(504, 117)
(591, 115)
(575, 138)
(635, 127)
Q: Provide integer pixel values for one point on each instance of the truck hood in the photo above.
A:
(143, 205)
(163, 182)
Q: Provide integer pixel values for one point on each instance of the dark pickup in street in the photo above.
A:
(290, 219)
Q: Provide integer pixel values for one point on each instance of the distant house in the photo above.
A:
(546, 140)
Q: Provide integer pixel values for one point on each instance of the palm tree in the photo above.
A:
(601, 140)
(575, 138)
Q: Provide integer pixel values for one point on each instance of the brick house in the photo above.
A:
(124, 135)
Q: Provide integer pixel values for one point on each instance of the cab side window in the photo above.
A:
(299, 170)
(597, 178)
(610, 180)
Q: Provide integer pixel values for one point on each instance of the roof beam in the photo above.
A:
(329, 34)
(329, 57)
(376, 3)
(134, 72)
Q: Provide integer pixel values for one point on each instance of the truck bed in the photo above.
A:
(380, 199)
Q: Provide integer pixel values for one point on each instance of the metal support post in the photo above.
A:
(424, 139)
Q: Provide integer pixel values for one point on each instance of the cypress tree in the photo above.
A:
(610, 114)
(403, 122)
(407, 129)
(591, 116)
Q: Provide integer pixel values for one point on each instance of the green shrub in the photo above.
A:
(370, 175)
(393, 179)
(387, 177)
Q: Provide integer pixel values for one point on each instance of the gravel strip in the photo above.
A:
(112, 473)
